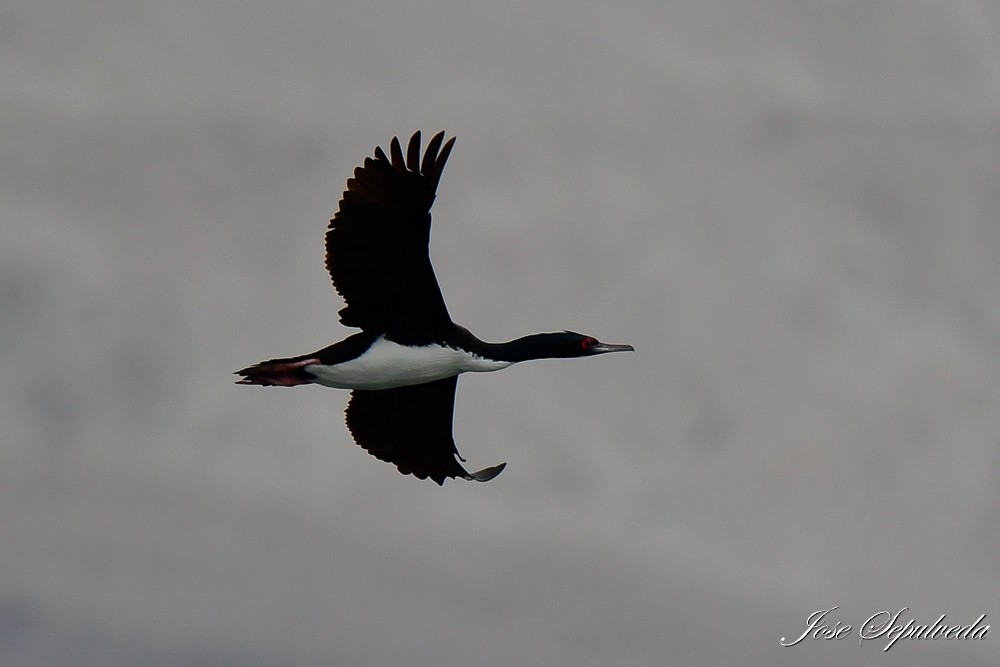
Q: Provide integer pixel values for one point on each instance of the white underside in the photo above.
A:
(385, 365)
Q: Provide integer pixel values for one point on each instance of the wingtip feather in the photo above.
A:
(442, 158)
(397, 154)
(430, 155)
(486, 474)
(413, 153)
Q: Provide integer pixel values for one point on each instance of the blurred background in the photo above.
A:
(789, 208)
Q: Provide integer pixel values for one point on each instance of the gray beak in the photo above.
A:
(601, 348)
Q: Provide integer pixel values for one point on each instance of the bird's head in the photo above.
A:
(580, 345)
(567, 344)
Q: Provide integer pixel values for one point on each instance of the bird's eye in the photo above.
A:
(588, 343)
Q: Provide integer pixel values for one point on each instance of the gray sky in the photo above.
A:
(789, 208)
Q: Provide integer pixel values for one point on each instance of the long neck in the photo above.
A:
(535, 346)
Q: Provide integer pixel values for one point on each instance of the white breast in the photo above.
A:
(385, 365)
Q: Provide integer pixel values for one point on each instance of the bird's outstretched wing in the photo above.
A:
(410, 427)
(377, 244)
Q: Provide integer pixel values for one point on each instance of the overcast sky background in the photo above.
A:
(789, 208)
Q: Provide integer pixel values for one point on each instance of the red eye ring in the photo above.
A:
(588, 343)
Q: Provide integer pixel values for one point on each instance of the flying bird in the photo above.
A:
(402, 367)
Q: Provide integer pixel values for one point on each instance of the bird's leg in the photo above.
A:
(278, 373)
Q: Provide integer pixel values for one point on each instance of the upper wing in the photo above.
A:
(411, 428)
(376, 245)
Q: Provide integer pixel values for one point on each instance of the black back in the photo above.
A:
(377, 244)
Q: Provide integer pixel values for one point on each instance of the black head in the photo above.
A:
(580, 345)
(562, 345)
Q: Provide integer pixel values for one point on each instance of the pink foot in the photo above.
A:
(277, 373)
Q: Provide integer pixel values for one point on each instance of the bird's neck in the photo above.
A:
(525, 348)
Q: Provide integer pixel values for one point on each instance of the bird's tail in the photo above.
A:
(278, 373)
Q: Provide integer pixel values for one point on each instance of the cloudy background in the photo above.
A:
(789, 208)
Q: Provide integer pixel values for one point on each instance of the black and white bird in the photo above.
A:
(403, 366)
